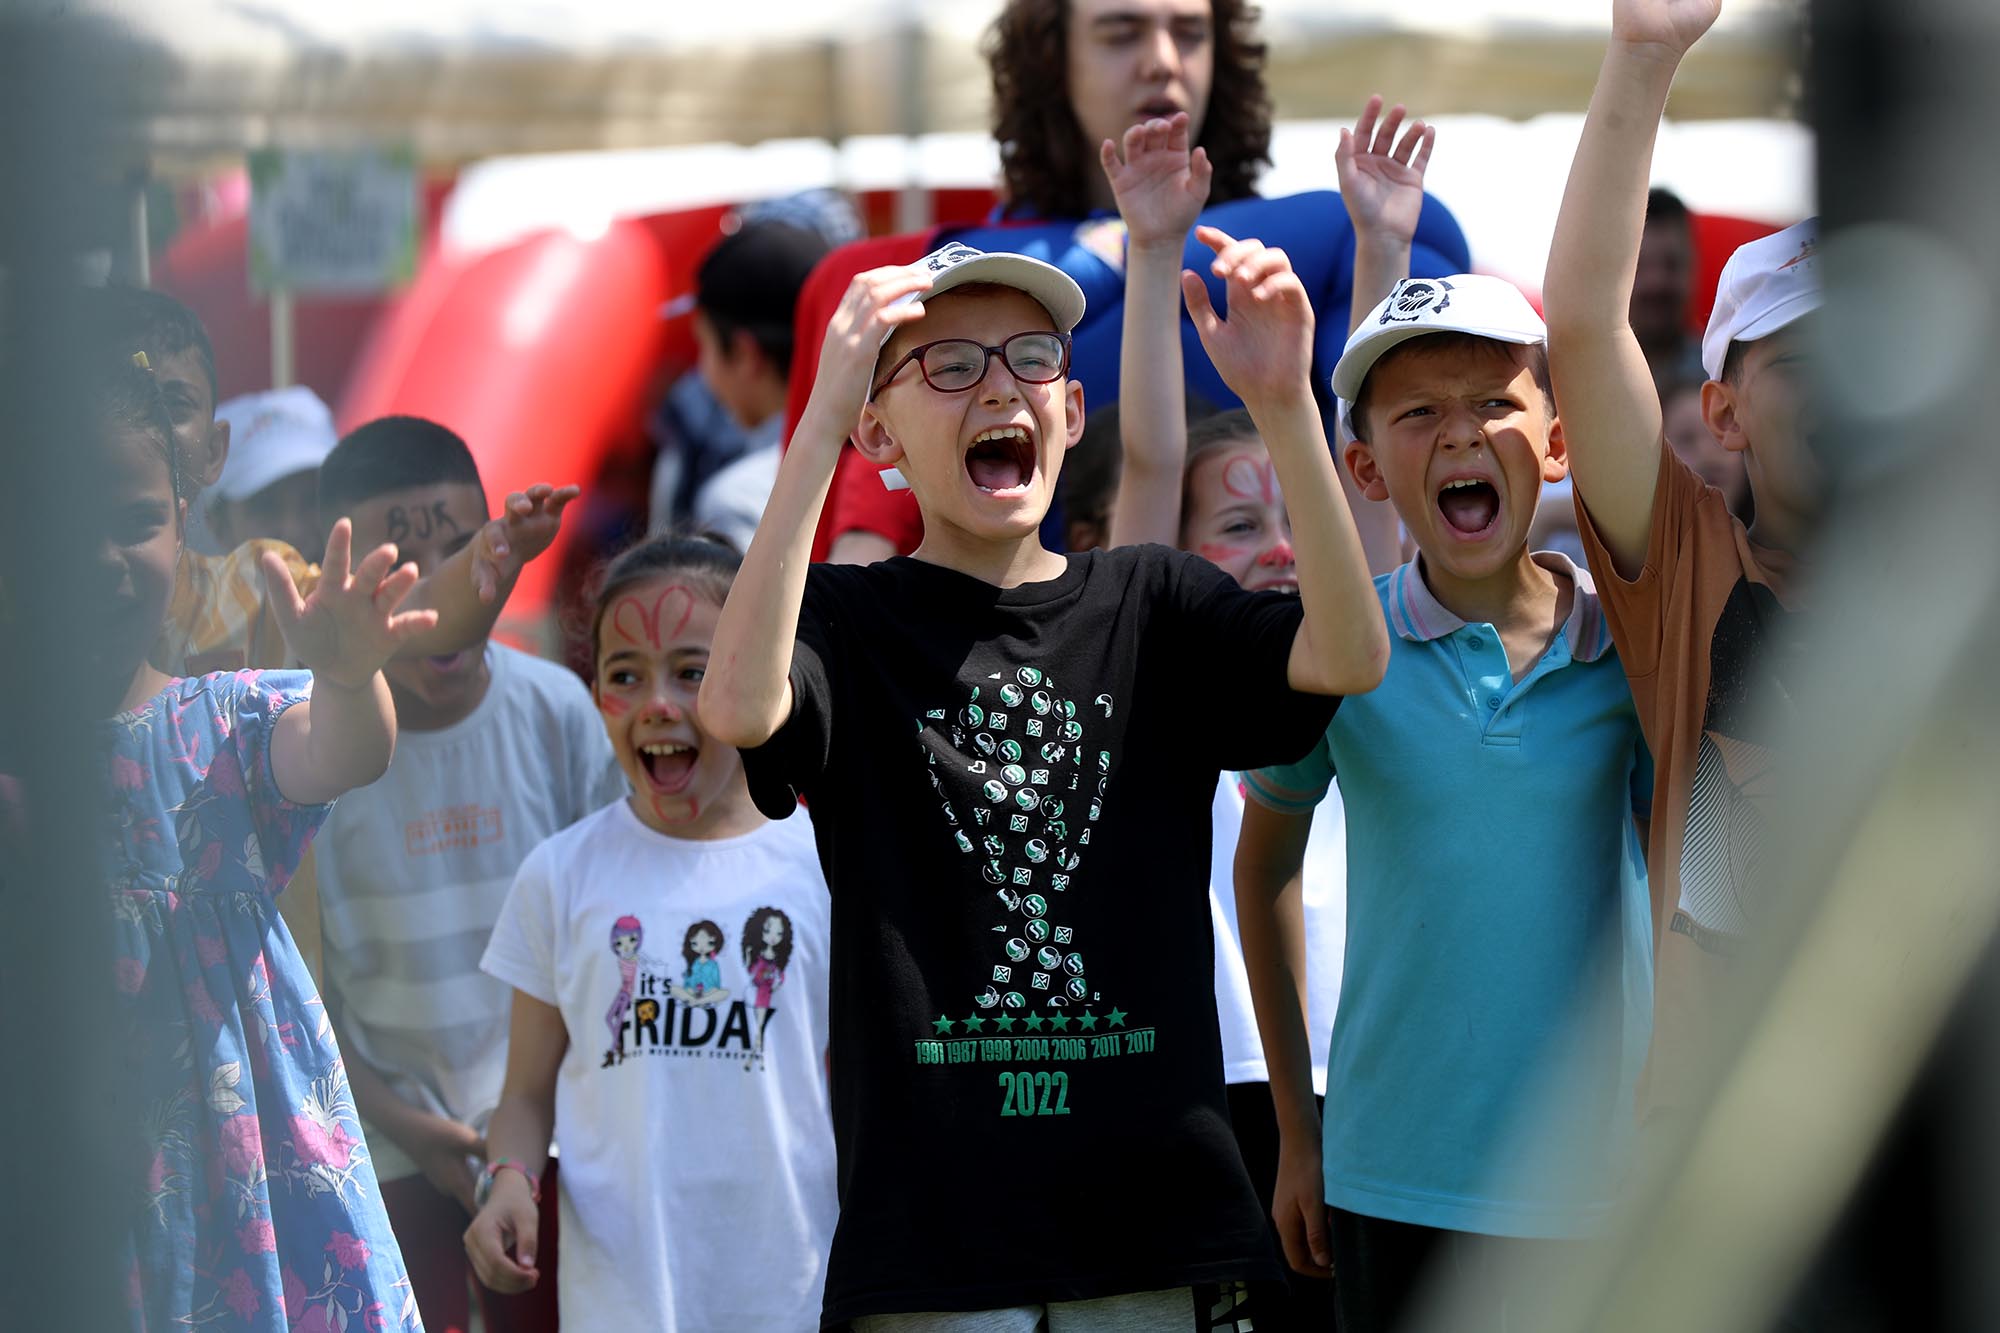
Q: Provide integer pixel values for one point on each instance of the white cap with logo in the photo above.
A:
(956, 265)
(272, 435)
(1767, 283)
(1474, 303)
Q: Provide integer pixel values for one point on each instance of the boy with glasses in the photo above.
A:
(1010, 755)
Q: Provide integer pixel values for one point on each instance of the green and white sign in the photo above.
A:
(332, 222)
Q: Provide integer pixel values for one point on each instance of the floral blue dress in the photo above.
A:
(260, 1209)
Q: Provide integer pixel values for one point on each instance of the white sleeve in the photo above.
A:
(522, 949)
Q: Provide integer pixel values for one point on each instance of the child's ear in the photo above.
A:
(1361, 466)
(210, 454)
(1555, 464)
(1718, 413)
(743, 350)
(1073, 404)
(873, 437)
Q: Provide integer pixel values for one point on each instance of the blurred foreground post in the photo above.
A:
(65, 1185)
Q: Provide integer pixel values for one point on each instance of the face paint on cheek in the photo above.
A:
(1221, 553)
(612, 706)
(1248, 477)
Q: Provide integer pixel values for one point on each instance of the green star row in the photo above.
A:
(1058, 1022)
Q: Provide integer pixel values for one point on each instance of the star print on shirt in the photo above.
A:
(1116, 1018)
(942, 1024)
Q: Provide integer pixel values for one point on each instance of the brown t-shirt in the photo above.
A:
(1704, 634)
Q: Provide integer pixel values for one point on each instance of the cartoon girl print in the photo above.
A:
(702, 983)
(626, 934)
(767, 950)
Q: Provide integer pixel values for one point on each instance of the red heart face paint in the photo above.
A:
(1236, 517)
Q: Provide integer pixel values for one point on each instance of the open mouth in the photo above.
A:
(668, 765)
(1001, 460)
(1158, 108)
(1470, 507)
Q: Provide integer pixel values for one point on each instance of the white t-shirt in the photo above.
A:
(697, 1168)
(1325, 893)
(414, 867)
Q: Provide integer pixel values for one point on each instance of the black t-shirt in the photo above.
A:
(1011, 790)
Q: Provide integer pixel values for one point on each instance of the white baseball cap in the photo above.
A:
(954, 265)
(272, 435)
(1767, 283)
(1486, 307)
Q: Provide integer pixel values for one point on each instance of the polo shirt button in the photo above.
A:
(1475, 643)
(1492, 701)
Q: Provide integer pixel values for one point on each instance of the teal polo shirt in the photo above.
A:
(1496, 997)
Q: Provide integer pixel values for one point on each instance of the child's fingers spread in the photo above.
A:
(1177, 131)
(391, 591)
(1413, 138)
(1423, 155)
(1229, 260)
(375, 566)
(1364, 124)
(339, 552)
(1107, 155)
(407, 624)
(1200, 309)
(278, 584)
(1385, 133)
(1215, 238)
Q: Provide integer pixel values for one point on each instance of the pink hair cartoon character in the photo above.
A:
(626, 935)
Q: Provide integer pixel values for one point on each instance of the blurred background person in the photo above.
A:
(270, 483)
(1661, 289)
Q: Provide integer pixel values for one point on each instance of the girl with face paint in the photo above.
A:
(701, 1064)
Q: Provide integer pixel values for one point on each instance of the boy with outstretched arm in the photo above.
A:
(1495, 991)
(1010, 755)
(1698, 604)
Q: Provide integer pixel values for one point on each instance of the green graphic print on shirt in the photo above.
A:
(1022, 788)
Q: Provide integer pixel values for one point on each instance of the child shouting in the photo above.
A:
(1010, 784)
(498, 750)
(697, 1167)
(1495, 989)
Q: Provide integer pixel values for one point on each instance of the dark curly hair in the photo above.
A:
(1042, 154)
(753, 937)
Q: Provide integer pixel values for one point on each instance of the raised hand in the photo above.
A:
(349, 627)
(1263, 350)
(527, 526)
(866, 314)
(1674, 25)
(1160, 186)
(1382, 180)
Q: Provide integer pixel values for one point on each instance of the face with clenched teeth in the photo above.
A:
(652, 651)
(983, 462)
(1460, 441)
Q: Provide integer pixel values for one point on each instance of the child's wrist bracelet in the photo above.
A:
(494, 1168)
